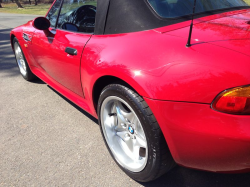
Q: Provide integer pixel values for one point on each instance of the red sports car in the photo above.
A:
(167, 79)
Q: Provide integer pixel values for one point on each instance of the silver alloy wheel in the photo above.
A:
(20, 59)
(124, 134)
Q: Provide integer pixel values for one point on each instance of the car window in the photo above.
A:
(178, 8)
(78, 15)
(53, 13)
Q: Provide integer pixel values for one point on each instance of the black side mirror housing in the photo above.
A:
(41, 23)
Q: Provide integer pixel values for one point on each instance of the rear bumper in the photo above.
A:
(199, 137)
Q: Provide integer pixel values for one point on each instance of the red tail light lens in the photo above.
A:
(233, 101)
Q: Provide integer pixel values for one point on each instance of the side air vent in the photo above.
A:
(26, 37)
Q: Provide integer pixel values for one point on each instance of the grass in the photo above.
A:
(40, 9)
(247, 1)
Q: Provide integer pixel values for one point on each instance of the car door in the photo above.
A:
(58, 51)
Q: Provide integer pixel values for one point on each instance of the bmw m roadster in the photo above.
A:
(168, 80)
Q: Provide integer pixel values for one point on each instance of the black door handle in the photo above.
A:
(71, 51)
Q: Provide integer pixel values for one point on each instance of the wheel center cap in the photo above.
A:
(131, 130)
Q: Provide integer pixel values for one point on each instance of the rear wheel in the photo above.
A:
(21, 62)
(132, 134)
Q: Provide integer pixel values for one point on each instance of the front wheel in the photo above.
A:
(132, 134)
(21, 62)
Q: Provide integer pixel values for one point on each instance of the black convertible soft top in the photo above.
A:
(124, 16)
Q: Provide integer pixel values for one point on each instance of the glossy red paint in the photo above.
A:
(177, 82)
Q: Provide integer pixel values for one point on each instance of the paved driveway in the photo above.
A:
(45, 140)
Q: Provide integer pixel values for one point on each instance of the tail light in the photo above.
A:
(233, 101)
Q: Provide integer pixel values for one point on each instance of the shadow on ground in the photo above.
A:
(8, 62)
(180, 177)
(76, 106)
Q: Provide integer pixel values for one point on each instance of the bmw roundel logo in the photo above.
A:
(131, 130)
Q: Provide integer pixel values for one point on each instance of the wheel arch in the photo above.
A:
(12, 36)
(104, 81)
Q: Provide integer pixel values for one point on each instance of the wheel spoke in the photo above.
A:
(140, 141)
(23, 63)
(19, 52)
(130, 144)
(138, 129)
(136, 152)
(129, 117)
(119, 115)
(119, 128)
(113, 108)
(109, 125)
(137, 125)
(24, 67)
(123, 135)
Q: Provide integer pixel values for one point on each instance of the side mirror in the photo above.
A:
(41, 23)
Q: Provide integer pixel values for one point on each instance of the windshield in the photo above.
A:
(178, 8)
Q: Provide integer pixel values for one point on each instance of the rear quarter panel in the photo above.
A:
(160, 66)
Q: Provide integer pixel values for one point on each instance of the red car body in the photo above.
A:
(178, 83)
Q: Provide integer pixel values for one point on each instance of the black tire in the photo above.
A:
(27, 75)
(159, 159)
